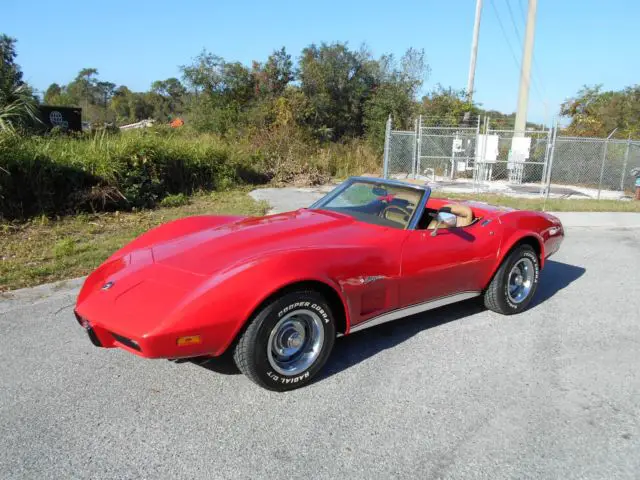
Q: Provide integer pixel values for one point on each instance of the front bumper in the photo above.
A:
(147, 346)
(102, 337)
(89, 329)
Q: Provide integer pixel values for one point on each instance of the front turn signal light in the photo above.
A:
(191, 340)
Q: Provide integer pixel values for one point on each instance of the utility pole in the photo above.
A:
(525, 71)
(474, 54)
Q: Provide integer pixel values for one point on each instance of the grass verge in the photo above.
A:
(44, 250)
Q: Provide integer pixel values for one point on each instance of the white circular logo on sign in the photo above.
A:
(56, 118)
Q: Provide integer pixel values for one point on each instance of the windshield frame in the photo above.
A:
(424, 190)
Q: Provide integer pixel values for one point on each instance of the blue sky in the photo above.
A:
(137, 41)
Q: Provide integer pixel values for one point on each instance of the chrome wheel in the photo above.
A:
(521, 280)
(295, 342)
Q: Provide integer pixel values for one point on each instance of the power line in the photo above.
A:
(513, 22)
(537, 78)
(506, 37)
(524, 15)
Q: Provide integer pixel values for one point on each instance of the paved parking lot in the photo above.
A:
(458, 392)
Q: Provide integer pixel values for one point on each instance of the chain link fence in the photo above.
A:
(499, 160)
(595, 163)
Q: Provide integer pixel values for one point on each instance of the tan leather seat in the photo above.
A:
(463, 213)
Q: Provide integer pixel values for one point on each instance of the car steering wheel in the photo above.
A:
(384, 212)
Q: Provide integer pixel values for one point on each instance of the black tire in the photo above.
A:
(497, 297)
(251, 352)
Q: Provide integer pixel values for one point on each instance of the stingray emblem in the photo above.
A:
(371, 279)
(107, 286)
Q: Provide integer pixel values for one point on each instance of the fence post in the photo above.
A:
(481, 165)
(414, 159)
(486, 169)
(387, 140)
(475, 154)
(419, 140)
(554, 137)
(543, 179)
(625, 163)
(604, 159)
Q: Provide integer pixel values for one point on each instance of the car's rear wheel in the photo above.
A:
(287, 342)
(514, 284)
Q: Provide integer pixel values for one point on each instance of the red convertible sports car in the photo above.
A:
(275, 291)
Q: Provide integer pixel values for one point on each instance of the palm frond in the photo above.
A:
(17, 107)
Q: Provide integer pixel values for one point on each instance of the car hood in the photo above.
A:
(206, 251)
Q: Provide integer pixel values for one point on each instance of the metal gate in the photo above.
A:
(518, 160)
(446, 152)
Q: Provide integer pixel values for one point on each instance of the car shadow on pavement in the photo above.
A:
(353, 349)
(554, 277)
(223, 364)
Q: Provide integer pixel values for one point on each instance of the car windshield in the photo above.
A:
(375, 203)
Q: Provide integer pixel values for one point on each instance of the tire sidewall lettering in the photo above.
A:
(312, 304)
(305, 305)
(288, 380)
(534, 259)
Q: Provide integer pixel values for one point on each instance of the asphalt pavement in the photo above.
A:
(458, 392)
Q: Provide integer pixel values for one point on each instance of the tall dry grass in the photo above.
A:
(136, 169)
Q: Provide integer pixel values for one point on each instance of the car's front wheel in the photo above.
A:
(287, 342)
(514, 284)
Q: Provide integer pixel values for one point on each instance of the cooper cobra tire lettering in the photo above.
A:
(250, 351)
(314, 306)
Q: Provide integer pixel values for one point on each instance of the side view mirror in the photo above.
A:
(444, 218)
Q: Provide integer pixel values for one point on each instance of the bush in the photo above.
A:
(63, 174)
(177, 200)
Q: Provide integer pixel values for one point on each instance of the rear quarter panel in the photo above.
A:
(518, 225)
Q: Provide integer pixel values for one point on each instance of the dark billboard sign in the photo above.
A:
(67, 118)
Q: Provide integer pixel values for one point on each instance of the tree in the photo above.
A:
(272, 78)
(445, 106)
(395, 95)
(172, 93)
(205, 74)
(596, 113)
(140, 107)
(168, 98)
(337, 82)
(17, 102)
(104, 92)
(53, 92)
(121, 104)
(389, 99)
(10, 72)
(237, 86)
